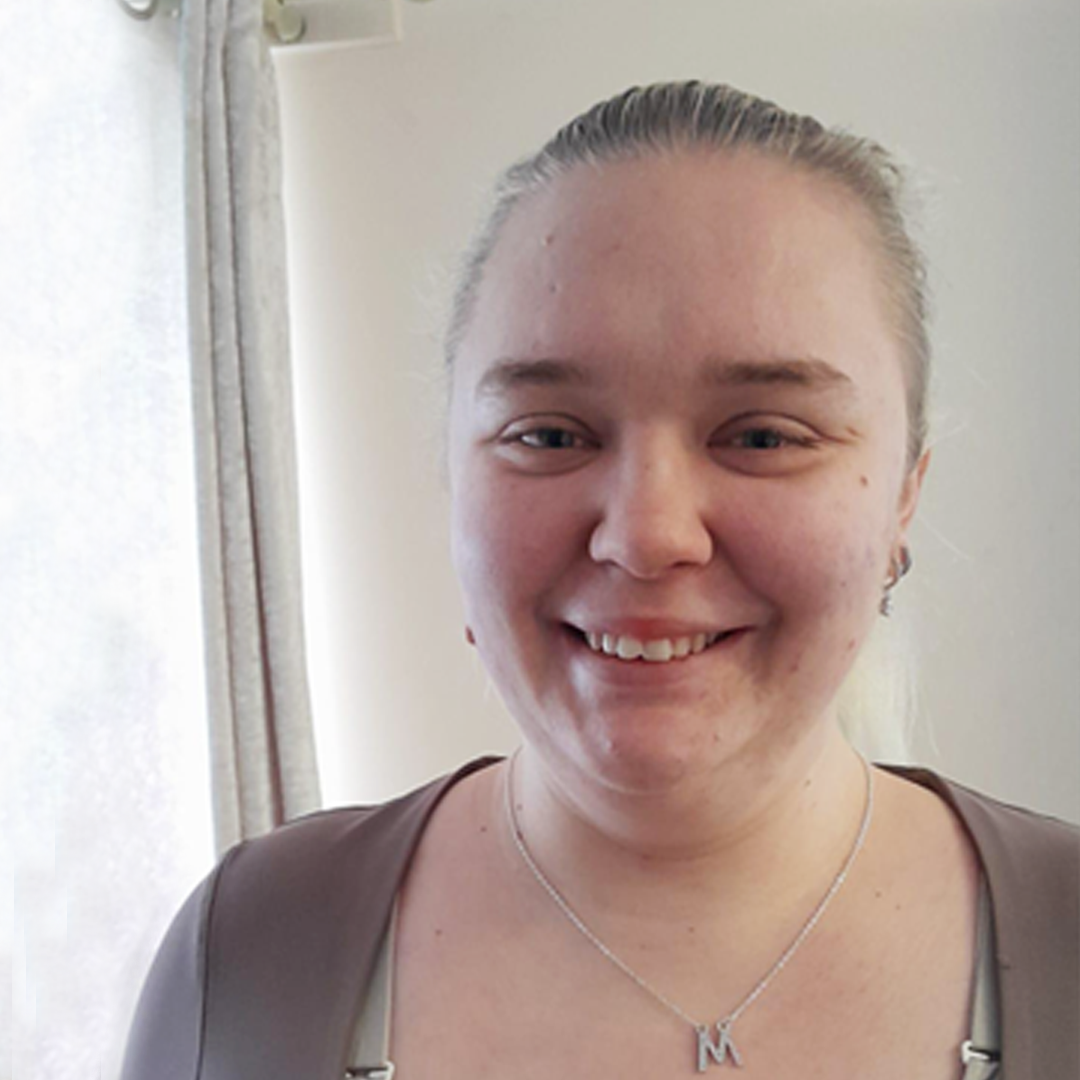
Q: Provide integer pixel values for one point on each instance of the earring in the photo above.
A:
(470, 637)
(899, 567)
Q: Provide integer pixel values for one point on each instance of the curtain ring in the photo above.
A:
(144, 10)
(283, 21)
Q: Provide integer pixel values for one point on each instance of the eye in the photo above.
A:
(546, 445)
(770, 438)
(767, 445)
(548, 438)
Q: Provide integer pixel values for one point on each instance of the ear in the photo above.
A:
(909, 493)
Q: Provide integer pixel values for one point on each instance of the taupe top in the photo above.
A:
(264, 972)
(979, 1054)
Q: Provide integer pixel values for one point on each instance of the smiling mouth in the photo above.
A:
(656, 651)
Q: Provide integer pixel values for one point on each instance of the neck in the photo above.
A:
(718, 850)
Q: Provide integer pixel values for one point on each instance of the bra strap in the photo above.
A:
(370, 1053)
(981, 1053)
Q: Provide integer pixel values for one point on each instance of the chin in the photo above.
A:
(649, 755)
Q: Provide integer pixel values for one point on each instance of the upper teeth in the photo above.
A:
(658, 651)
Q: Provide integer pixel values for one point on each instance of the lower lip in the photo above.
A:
(651, 671)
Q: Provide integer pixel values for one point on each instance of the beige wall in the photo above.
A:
(386, 151)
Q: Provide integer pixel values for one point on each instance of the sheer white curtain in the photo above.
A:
(105, 669)
(102, 698)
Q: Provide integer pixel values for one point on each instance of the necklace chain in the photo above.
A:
(763, 984)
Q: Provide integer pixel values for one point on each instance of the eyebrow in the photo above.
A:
(803, 371)
(506, 375)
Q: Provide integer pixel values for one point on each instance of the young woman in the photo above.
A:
(687, 423)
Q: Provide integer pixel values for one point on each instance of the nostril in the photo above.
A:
(650, 556)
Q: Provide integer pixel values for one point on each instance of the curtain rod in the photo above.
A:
(285, 23)
(307, 22)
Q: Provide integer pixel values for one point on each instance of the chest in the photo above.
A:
(473, 1003)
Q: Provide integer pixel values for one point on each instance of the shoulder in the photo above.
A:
(1031, 863)
(1031, 860)
(358, 844)
(265, 963)
(1009, 839)
(338, 867)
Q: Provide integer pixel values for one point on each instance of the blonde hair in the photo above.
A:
(668, 117)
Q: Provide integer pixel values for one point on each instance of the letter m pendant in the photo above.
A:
(721, 1051)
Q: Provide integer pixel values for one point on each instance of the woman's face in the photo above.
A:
(678, 416)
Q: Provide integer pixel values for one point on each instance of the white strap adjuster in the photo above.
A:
(370, 1072)
(970, 1052)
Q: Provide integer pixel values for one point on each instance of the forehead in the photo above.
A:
(681, 256)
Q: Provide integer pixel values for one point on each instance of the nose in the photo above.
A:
(652, 513)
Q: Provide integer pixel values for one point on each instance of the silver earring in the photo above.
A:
(899, 567)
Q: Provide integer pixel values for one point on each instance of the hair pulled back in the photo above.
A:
(694, 116)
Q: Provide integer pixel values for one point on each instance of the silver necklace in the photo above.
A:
(721, 1049)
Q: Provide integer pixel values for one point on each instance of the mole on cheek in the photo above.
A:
(864, 481)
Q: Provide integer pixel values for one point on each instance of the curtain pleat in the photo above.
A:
(262, 748)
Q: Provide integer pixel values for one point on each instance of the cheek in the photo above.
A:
(508, 544)
(811, 553)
